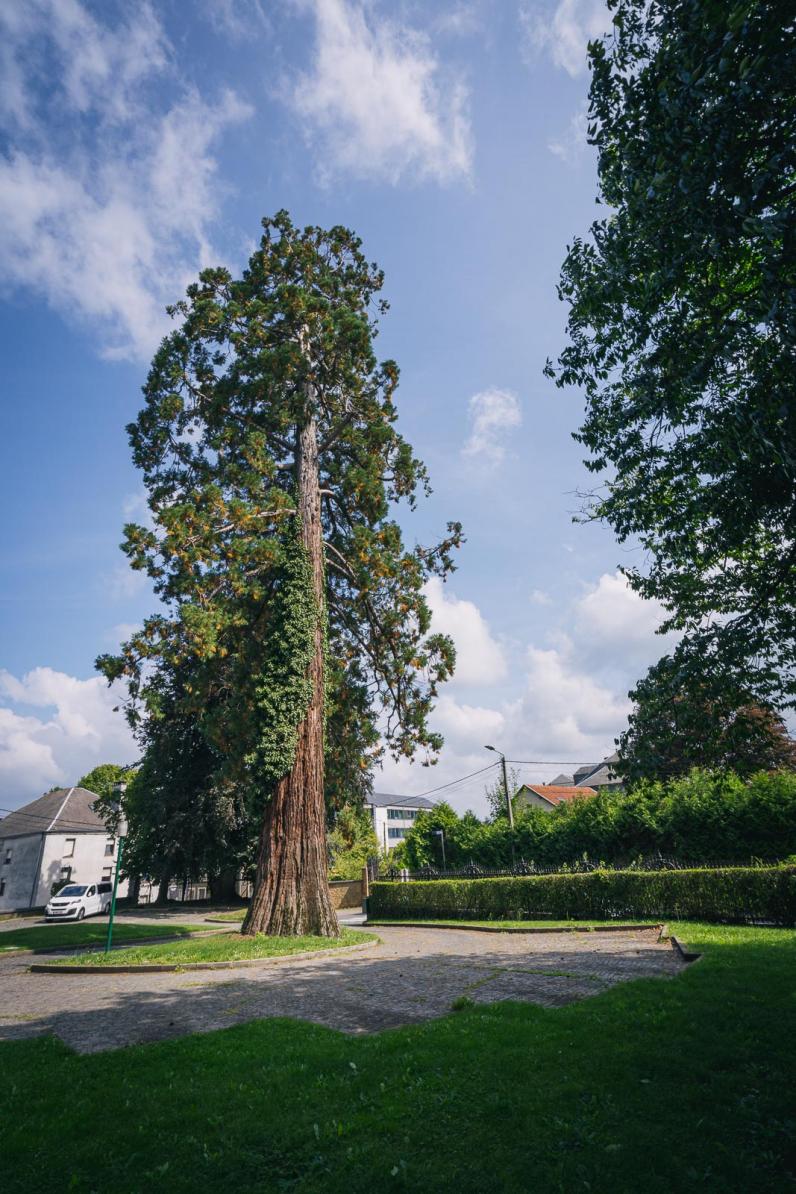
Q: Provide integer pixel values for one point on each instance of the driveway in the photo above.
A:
(414, 975)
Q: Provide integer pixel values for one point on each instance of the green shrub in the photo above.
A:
(735, 894)
(705, 817)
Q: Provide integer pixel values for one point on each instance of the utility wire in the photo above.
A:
(461, 780)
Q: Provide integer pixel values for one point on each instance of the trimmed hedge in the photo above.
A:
(765, 894)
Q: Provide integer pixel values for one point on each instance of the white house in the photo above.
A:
(394, 816)
(57, 837)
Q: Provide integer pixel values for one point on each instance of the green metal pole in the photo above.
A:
(109, 938)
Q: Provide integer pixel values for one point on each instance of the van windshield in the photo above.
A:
(71, 891)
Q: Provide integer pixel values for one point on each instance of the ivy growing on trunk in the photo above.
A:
(272, 464)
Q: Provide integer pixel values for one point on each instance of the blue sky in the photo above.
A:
(142, 141)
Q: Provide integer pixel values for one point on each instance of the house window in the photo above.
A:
(401, 814)
(110, 846)
(66, 873)
(396, 833)
(2, 887)
(69, 847)
(107, 874)
(7, 858)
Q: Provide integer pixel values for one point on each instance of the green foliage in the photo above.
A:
(283, 689)
(185, 817)
(704, 816)
(739, 894)
(102, 778)
(682, 321)
(351, 842)
(682, 720)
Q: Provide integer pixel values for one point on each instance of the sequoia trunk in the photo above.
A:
(291, 889)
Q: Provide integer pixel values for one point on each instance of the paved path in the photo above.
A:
(413, 976)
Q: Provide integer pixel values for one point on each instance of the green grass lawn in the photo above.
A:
(62, 936)
(516, 924)
(653, 1086)
(223, 947)
(236, 915)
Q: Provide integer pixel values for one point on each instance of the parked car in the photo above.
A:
(77, 900)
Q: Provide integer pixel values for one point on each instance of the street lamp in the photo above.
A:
(440, 833)
(509, 809)
(119, 789)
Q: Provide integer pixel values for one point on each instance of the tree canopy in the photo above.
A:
(272, 464)
(682, 321)
(682, 720)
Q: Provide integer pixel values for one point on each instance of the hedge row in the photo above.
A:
(736, 894)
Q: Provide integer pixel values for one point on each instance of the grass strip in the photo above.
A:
(61, 936)
(527, 925)
(222, 947)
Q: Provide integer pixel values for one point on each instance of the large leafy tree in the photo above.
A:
(682, 720)
(682, 321)
(272, 461)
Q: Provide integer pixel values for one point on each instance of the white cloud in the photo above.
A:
(106, 210)
(239, 20)
(377, 103)
(124, 582)
(564, 702)
(562, 32)
(492, 414)
(479, 658)
(78, 730)
(540, 597)
(573, 143)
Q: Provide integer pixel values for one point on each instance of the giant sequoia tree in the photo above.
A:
(271, 460)
(682, 322)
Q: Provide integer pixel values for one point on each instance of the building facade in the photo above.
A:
(58, 838)
(393, 816)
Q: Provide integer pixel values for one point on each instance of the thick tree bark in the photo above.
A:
(163, 887)
(291, 888)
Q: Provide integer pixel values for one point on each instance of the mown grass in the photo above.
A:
(515, 924)
(223, 947)
(61, 936)
(656, 1085)
(236, 915)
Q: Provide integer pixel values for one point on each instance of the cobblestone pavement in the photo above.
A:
(414, 975)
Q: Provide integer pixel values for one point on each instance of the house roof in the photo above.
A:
(603, 776)
(66, 810)
(563, 781)
(557, 793)
(386, 800)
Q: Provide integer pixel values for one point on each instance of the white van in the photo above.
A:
(77, 900)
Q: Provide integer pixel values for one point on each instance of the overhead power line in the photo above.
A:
(460, 780)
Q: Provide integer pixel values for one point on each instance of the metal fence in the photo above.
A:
(584, 866)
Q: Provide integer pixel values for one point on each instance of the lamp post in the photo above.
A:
(440, 833)
(509, 809)
(119, 790)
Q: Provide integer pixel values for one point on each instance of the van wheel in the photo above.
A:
(106, 911)
(81, 912)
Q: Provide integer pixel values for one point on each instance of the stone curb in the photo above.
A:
(170, 967)
(93, 948)
(686, 954)
(465, 928)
